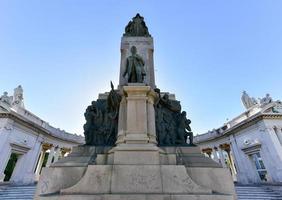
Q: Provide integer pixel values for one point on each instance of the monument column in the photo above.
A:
(151, 117)
(136, 126)
(137, 135)
(140, 125)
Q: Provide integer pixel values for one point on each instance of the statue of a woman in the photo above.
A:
(247, 101)
(137, 27)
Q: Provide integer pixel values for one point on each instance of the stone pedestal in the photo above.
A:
(183, 173)
(138, 117)
(136, 168)
(136, 143)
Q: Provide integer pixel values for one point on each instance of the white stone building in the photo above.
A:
(27, 143)
(250, 144)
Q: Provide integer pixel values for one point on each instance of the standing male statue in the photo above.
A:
(134, 67)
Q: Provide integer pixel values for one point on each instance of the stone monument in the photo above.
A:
(139, 144)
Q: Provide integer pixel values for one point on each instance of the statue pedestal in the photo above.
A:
(182, 173)
(136, 143)
(137, 112)
(136, 168)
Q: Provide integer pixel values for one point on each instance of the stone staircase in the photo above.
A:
(14, 192)
(257, 193)
(10, 192)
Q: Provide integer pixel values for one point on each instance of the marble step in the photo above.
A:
(243, 193)
(256, 193)
(17, 192)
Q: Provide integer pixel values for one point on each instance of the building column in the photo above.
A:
(4, 161)
(30, 162)
(208, 151)
(45, 147)
(5, 148)
(57, 154)
(40, 162)
(226, 147)
(221, 157)
(279, 134)
(215, 156)
(50, 157)
(273, 160)
(276, 145)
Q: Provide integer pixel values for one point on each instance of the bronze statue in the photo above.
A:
(101, 116)
(172, 126)
(184, 129)
(113, 102)
(134, 67)
(137, 27)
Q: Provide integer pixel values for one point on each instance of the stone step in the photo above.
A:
(256, 193)
(12, 192)
(243, 193)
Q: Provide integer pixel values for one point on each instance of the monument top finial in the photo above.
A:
(137, 27)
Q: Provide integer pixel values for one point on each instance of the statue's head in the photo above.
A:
(133, 50)
(166, 97)
(183, 113)
(157, 90)
(5, 94)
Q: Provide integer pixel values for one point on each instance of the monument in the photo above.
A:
(139, 144)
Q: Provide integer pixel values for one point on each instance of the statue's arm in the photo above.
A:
(140, 59)
(187, 125)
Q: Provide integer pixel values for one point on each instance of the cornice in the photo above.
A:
(242, 125)
(33, 126)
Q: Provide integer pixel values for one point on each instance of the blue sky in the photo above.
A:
(65, 52)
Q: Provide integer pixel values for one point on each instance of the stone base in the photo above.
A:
(139, 179)
(82, 156)
(127, 154)
(140, 197)
(67, 171)
(179, 173)
(53, 179)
